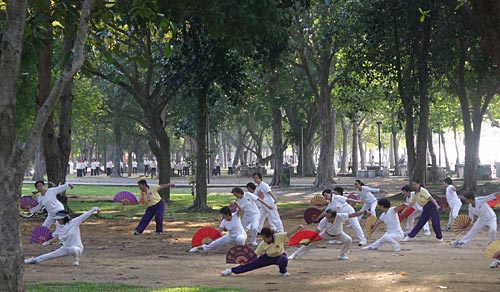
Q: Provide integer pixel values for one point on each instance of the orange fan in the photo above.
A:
(318, 201)
(404, 213)
(304, 237)
(493, 250)
(311, 214)
(205, 235)
(461, 223)
(240, 254)
(367, 227)
(495, 202)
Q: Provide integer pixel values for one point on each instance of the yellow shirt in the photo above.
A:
(275, 248)
(421, 197)
(155, 196)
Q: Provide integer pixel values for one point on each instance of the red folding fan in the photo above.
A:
(40, 234)
(350, 199)
(443, 204)
(205, 235)
(240, 254)
(495, 202)
(368, 225)
(304, 237)
(125, 198)
(311, 214)
(318, 201)
(28, 202)
(404, 213)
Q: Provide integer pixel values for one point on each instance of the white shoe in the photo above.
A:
(31, 260)
(194, 249)
(343, 257)
(286, 274)
(76, 261)
(254, 243)
(495, 264)
(457, 243)
(362, 242)
(226, 272)
(334, 241)
(396, 248)
(440, 239)
(369, 247)
(427, 233)
(407, 238)
(292, 257)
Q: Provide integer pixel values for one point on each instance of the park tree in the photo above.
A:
(14, 156)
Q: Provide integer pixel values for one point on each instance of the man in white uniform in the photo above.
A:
(394, 233)
(231, 223)
(68, 232)
(263, 191)
(453, 201)
(48, 199)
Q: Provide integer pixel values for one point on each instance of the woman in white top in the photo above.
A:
(365, 195)
(453, 201)
(394, 233)
(48, 199)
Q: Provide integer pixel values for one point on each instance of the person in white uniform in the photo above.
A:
(453, 201)
(68, 232)
(408, 194)
(331, 228)
(231, 223)
(48, 199)
(394, 233)
(365, 195)
(338, 203)
(251, 213)
(485, 217)
(263, 191)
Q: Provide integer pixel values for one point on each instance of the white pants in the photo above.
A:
(454, 209)
(75, 251)
(392, 238)
(49, 220)
(480, 224)
(411, 219)
(345, 241)
(226, 239)
(272, 216)
(368, 206)
(254, 221)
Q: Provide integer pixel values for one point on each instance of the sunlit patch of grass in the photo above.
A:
(91, 287)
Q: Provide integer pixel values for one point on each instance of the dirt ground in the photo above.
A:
(113, 254)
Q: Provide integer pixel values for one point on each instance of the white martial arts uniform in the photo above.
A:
(394, 233)
(340, 205)
(272, 215)
(454, 203)
(69, 236)
(411, 219)
(51, 203)
(236, 233)
(329, 231)
(251, 213)
(485, 217)
(369, 200)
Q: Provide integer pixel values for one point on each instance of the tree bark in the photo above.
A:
(200, 200)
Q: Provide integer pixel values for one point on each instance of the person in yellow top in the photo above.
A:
(156, 206)
(430, 209)
(271, 251)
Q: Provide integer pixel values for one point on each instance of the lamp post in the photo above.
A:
(379, 122)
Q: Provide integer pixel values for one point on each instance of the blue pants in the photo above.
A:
(158, 211)
(263, 261)
(429, 211)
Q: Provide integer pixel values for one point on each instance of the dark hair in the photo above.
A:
(470, 196)
(258, 174)
(384, 202)
(339, 190)
(332, 213)
(359, 182)
(143, 182)
(237, 190)
(266, 232)
(326, 191)
(225, 210)
(39, 182)
(406, 188)
(64, 213)
(448, 181)
(251, 185)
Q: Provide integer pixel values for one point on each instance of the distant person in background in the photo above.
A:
(146, 166)
(85, 165)
(134, 166)
(230, 167)
(79, 168)
(109, 167)
(217, 166)
(152, 166)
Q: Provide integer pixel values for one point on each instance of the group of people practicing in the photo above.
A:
(253, 206)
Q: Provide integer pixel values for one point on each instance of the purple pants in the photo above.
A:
(263, 261)
(158, 211)
(429, 211)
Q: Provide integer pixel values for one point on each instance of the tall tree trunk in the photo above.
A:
(39, 164)
(200, 201)
(117, 135)
(395, 145)
(346, 127)
(355, 147)
(445, 151)
(277, 147)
